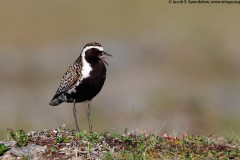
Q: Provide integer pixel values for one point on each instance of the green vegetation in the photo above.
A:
(19, 136)
(3, 149)
(65, 144)
(93, 137)
(61, 138)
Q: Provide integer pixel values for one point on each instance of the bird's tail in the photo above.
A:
(57, 100)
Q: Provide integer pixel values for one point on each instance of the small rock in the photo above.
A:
(10, 143)
(7, 156)
(32, 151)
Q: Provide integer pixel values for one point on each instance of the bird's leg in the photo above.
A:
(88, 115)
(75, 116)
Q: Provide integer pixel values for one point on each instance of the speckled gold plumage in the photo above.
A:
(71, 77)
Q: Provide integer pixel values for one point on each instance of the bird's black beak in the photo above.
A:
(103, 56)
(107, 54)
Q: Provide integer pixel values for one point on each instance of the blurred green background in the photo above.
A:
(175, 66)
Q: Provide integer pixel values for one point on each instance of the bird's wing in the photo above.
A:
(68, 80)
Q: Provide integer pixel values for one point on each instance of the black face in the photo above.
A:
(93, 55)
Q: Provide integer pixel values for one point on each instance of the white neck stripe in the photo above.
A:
(86, 66)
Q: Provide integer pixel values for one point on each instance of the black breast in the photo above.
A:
(90, 86)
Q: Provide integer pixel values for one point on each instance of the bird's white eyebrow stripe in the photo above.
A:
(90, 47)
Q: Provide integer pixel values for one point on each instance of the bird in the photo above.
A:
(83, 80)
